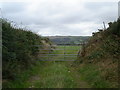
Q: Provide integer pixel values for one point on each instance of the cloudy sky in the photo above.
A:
(60, 17)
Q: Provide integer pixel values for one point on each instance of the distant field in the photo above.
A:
(72, 40)
(63, 53)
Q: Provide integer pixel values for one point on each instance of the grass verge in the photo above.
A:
(91, 74)
(21, 81)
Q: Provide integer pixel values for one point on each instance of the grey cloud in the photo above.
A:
(58, 17)
(13, 7)
(104, 10)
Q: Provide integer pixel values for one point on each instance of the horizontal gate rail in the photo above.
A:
(52, 56)
(57, 54)
(57, 60)
(60, 52)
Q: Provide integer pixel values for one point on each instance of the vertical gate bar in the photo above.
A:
(64, 52)
(48, 54)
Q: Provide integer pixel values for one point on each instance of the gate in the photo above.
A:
(59, 52)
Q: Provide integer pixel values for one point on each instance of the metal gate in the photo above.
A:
(59, 52)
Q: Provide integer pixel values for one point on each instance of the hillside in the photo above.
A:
(101, 57)
(68, 39)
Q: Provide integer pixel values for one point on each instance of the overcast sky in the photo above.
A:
(61, 17)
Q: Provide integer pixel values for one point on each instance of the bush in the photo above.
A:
(115, 28)
(19, 52)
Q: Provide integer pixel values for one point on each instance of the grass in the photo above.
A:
(58, 75)
(55, 75)
(92, 75)
(20, 82)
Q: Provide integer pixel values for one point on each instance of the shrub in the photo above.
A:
(19, 52)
